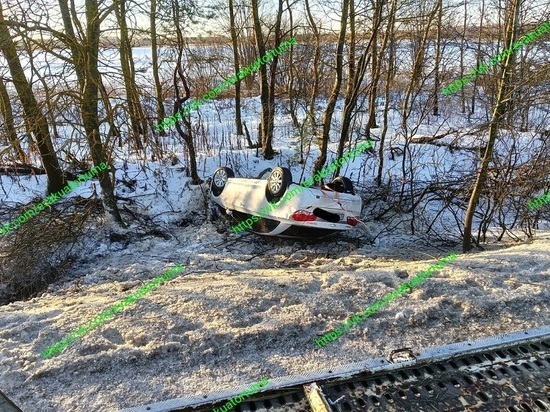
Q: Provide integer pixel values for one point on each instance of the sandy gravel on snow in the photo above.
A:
(247, 309)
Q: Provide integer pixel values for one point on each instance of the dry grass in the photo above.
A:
(37, 253)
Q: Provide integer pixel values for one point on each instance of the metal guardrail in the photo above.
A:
(508, 372)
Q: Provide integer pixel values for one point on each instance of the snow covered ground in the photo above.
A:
(246, 308)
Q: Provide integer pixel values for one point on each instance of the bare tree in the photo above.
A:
(161, 113)
(135, 111)
(267, 119)
(478, 56)
(390, 59)
(316, 59)
(35, 119)
(89, 104)
(376, 64)
(292, 101)
(329, 111)
(463, 53)
(273, 75)
(75, 42)
(236, 66)
(351, 86)
(408, 105)
(437, 59)
(84, 57)
(181, 99)
(497, 118)
(9, 126)
(357, 76)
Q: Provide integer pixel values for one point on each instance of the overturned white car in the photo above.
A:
(279, 207)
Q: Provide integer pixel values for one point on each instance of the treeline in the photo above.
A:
(400, 53)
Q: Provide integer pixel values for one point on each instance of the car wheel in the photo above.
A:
(278, 181)
(219, 179)
(342, 184)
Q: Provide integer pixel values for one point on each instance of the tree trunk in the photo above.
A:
(498, 115)
(462, 53)
(273, 73)
(352, 84)
(161, 113)
(389, 36)
(437, 60)
(72, 43)
(355, 85)
(316, 59)
(329, 111)
(90, 107)
(247, 135)
(128, 72)
(375, 68)
(292, 101)
(35, 120)
(267, 132)
(478, 56)
(180, 100)
(79, 61)
(236, 66)
(9, 125)
(350, 102)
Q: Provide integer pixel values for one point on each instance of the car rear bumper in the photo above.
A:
(289, 227)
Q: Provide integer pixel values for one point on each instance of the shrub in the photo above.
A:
(35, 255)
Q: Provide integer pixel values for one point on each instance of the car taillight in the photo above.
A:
(352, 221)
(303, 216)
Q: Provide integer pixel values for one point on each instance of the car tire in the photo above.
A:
(342, 184)
(219, 180)
(278, 181)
